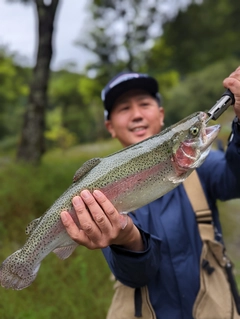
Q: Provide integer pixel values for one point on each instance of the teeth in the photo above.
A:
(138, 129)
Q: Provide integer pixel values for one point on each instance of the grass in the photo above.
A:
(78, 287)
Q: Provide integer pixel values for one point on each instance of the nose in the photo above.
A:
(136, 114)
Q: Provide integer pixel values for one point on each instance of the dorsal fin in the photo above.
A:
(32, 225)
(85, 168)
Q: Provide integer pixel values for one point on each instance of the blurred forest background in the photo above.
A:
(52, 121)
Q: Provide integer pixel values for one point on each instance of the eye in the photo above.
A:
(194, 131)
(144, 104)
(123, 108)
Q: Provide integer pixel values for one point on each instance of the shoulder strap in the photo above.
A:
(197, 198)
(200, 206)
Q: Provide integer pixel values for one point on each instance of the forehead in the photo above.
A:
(136, 94)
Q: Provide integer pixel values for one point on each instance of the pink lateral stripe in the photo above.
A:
(112, 190)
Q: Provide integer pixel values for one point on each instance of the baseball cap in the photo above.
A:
(124, 82)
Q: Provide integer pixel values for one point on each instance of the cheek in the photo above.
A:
(119, 127)
(156, 124)
(120, 122)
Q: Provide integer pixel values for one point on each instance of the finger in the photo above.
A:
(87, 224)
(113, 215)
(235, 74)
(233, 81)
(98, 214)
(71, 227)
(77, 234)
(234, 86)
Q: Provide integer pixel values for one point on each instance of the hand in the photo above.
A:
(233, 83)
(100, 223)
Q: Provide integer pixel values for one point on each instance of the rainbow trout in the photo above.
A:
(130, 178)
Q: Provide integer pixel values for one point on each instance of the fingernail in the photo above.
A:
(64, 217)
(85, 194)
(76, 200)
(97, 193)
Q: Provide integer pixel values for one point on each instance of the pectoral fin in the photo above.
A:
(66, 251)
(85, 168)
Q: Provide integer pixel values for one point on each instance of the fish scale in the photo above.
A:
(130, 178)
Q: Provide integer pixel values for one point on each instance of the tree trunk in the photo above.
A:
(31, 146)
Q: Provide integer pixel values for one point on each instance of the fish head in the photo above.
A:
(192, 142)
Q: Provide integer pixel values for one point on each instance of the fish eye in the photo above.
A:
(194, 131)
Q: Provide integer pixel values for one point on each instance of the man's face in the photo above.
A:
(135, 116)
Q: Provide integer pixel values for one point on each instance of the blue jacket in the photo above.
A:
(170, 264)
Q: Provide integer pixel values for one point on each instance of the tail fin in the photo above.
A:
(17, 273)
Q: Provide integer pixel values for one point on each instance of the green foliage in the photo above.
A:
(203, 34)
(197, 92)
(63, 89)
(11, 79)
(57, 134)
(159, 57)
(78, 287)
(134, 27)
(199, 36)
(78, 100)
(158, 65)
(13, 92)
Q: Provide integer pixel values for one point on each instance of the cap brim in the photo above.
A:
(147, 84)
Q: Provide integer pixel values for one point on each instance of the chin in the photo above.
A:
(134, 140)
(140, 139)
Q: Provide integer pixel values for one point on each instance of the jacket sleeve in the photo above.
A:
(220, 173)
(134, 269)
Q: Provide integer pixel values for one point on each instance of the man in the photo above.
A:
(159, 246)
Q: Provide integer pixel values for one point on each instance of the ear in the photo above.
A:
(110, 128)
(161, 111)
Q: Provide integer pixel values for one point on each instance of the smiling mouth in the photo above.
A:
(139, 129)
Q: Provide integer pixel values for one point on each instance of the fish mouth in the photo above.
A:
(210, 134)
